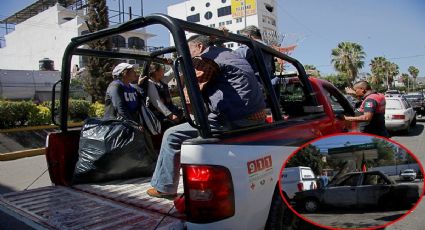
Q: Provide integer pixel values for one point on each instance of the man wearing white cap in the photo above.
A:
(122, 99)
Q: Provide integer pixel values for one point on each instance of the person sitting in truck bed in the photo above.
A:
(159, 98)
(234, 98)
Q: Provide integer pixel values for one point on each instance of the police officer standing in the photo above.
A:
(373, 109)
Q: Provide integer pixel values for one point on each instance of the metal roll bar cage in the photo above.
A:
(177, 29)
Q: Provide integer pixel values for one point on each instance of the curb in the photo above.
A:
(32, 128)
(21, 154)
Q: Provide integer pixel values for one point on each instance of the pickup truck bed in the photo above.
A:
(84, 206)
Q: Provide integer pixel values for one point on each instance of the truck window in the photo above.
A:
(307, 174)
(291, 97)
(339, 103)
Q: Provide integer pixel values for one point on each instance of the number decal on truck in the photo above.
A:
(259, 170)
(259, 164)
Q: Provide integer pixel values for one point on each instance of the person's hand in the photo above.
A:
(141, 79)
(173, 117)
(349, 90)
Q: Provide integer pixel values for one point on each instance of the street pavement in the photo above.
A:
(19, 174)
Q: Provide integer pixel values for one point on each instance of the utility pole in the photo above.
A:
(244, 5)
(141, 7)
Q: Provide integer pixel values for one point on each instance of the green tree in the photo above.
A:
(385, 149)
(99, 69)
(338, 80)
(311, 69)
(378, 67)
(308, 156)
(414, 72)
(405, 78)
(393, 71)
(348, 58)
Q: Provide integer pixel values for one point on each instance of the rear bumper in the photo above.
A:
(396, 125)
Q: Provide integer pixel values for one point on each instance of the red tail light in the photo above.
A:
(209, 193)
(401, 117)
(300, 186)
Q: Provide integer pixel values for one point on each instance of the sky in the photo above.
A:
(394, 29)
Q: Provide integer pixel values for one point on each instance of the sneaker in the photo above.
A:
(155, 193)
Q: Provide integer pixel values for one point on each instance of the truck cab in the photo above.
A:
(229, 179)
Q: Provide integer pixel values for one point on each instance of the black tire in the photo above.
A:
(311, 205)
(282, 218)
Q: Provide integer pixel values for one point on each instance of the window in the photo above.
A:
(118, 41)
(193, 18)
(192, 8)
(393, 104)
(238, 20)
(229, 22)
(374, 179)
(207, 4)
(212, 25)
(291, 97)
(230, 45)
(223, 1)
(221, 23)
(340, 105)
(136, 43)
(208, 15)
(223, 11)
(351, 180)
(273, 22)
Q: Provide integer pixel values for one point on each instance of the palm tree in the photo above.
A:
(414, 72)
(311, 69)
(405, 79)
(392, 72)
(378, 67)
(348, 58)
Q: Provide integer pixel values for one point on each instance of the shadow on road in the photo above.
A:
(414, 131)
(5, 189)
(390, 218)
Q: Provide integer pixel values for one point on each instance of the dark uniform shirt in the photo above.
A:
(374, 103)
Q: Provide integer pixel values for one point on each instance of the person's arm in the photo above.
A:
(118, 101)
(369, 110)
(156, 100)
(168, 76)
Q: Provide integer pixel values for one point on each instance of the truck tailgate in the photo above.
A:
(58, 207)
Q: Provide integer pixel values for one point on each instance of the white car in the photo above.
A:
(399, 114)
(297, 179)
(408, 174)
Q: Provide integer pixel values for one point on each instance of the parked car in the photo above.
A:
(399, 114)
(417, 100)
(297, 179)
(360, 189)
(408, 174)
(393, 92)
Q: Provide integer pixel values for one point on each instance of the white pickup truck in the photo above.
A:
(229, 179)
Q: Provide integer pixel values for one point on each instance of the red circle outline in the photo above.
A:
(350, 134)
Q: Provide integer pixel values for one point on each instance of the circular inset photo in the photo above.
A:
(352, 181)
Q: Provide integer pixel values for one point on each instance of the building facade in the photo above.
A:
(228, 13)
(46, 35)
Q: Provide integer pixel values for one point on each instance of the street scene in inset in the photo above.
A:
(352, 181)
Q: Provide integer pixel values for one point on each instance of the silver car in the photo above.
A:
(399, 114)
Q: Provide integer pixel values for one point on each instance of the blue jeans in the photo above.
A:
(166, 176)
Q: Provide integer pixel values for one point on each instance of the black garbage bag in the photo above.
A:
(113, 149)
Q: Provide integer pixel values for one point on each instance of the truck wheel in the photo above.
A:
(311, 205)
(282, 218)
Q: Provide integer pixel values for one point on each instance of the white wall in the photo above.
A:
(39, 37)
(46, 35)
(183, 10)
